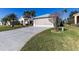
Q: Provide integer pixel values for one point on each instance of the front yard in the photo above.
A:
(5, 28)
(54, 41)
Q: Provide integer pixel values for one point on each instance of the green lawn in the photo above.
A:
(54, 41)
(5, 28)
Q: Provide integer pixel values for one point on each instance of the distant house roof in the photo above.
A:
(39, 17)
(42, 16)
(45, 16)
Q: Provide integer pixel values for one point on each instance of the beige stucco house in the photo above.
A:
(42, 21)
(76, 18)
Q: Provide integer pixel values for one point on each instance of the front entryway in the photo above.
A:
(77, 19)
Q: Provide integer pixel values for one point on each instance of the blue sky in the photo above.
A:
(39, 11)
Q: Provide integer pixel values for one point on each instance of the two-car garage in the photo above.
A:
(42, 21)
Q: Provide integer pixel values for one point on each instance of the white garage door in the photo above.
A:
(42, 23)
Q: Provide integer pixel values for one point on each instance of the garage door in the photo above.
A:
(42, 23)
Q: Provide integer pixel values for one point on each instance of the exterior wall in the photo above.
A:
(76, 18)
(0, 23)
(22, 21)
(42, 23)
(8, 23)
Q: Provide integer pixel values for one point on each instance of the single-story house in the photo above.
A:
(39, 21)
(76, 18)
(23, 21)
(43, 21)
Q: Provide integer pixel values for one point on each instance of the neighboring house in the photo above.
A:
(0, 23)
(43, 21)
(76, 18)
(23, 21)
(8, 23)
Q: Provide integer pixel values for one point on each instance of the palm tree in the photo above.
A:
(33, 13)
(29, 14)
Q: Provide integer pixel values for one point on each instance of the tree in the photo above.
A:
(55, 18)
(29, 14)
(11, 18)
(65, 10)
(33, 13)
(4, 20)
(72, 13)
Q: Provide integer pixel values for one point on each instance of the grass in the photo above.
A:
(5, 28)
(54, 41)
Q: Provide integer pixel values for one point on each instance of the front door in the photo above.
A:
(77, 19)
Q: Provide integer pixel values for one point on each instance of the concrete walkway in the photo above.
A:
(14, 40)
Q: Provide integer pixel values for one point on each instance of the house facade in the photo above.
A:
(0, 23)
(43, 21)
(23, 21)
(76, 18)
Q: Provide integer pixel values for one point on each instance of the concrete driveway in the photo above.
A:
(14, 40)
